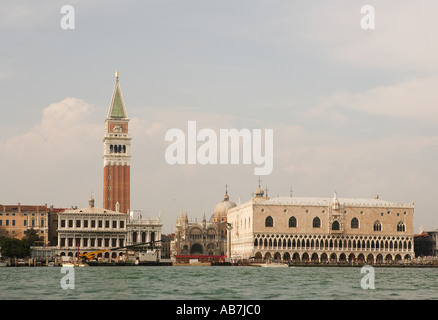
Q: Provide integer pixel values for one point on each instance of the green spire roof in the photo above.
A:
(117, 107)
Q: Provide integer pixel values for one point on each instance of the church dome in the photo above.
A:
(221, 209)
(259, 192)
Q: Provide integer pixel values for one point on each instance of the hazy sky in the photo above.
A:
(352, 110)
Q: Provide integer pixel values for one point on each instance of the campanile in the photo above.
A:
(116, 155)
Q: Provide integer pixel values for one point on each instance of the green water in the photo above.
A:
(223, 283)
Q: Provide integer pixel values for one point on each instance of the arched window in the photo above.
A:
(111, 148)
(195, 233)
(269, 222)
(401, 227)
(292, 222)
(124, 149)
(335, 225)
(316, 222)
(354, 223)
(377, 226)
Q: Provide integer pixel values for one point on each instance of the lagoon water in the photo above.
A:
(218, 283)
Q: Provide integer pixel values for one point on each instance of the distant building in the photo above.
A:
(142, 230)
(93, 229)
(321, 229)
(166, 241)
(53, 226)
(426, 244)
(17, 219)
(206, 239)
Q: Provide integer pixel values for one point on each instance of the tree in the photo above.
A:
(12, 247)
(31, 236)
(3, 232)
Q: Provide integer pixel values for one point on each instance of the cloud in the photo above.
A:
(398, 167)
(51, 161)
(414, 99)
(403, 39)
(61, 129)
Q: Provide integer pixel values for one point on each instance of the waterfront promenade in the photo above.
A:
(426, 262)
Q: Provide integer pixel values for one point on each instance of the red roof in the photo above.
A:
(424, 234)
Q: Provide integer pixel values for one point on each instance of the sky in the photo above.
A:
(352, 110)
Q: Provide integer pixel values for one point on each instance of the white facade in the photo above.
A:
(144, 230)
(321, 230)
(94, 229)
(91, 229)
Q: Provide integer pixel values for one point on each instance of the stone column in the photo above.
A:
(228, 252)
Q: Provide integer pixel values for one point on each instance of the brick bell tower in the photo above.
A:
(116, 155)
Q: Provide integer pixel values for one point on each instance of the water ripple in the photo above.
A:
(223, 283)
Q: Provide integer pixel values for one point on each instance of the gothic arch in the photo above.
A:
(401, 227)
(296, 257)
(292, 222)
(354, 224)
(305, 257)
(316, 223)
(196, 248)
(269, 222)
(377, 226)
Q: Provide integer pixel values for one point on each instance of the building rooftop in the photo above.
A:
(117, 108)
(355, 202)
(91, 209)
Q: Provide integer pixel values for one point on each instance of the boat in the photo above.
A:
(68, 264)
(269, 264)
(193, 264)
(274, 265)
(70, 261)
(3, 264)
(21, 263)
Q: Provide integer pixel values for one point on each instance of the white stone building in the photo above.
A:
(142, 229)
(305, 229)
(94, 229)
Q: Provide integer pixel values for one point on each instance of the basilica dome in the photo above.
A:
(221, 209)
